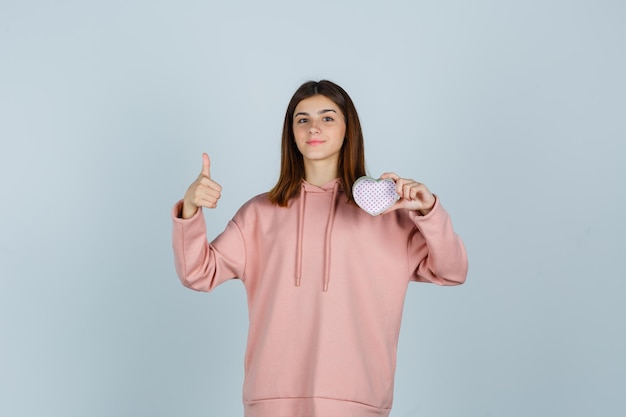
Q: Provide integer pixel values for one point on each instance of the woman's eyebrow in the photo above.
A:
(302, 113)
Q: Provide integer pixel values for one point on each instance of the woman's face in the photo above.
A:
(319, 128)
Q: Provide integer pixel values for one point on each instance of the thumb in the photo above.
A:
(390, 175)
(206, 165)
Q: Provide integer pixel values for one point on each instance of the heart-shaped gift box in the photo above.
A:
(374, 196)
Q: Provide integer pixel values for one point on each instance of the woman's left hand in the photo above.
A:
(413, 195)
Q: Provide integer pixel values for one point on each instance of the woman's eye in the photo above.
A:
(328, 119)
(302, 120)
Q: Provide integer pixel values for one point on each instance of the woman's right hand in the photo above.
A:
(203, 192)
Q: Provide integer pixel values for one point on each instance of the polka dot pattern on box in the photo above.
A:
(374, 196)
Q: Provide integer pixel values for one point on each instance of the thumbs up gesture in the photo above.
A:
(203, 192)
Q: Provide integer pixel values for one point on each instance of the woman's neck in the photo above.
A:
(319, 173)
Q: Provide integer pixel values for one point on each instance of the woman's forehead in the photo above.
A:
(316, 104)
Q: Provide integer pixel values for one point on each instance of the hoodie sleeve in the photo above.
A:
(201, 265)
(436, 253)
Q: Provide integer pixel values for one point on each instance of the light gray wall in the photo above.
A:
(512, 112)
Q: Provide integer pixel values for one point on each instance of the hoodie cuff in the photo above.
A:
(177, 215)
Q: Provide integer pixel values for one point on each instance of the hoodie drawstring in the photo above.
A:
(299, 243)
(329, 229)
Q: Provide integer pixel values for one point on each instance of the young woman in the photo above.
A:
(325, 280)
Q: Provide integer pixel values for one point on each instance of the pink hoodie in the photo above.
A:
(326, 284)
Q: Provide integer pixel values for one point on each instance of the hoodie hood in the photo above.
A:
(331, 188)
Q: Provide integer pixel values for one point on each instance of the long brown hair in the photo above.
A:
(351, 163)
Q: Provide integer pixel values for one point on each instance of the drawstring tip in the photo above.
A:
(298, 282)
(325, 287)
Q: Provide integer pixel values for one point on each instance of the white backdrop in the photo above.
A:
(512, 112)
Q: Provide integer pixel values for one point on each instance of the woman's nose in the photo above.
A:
(314, 127)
